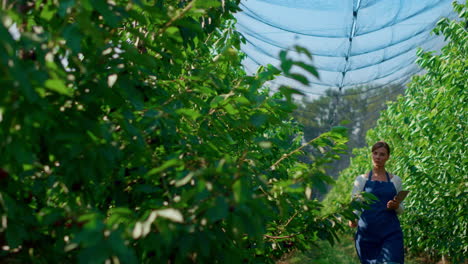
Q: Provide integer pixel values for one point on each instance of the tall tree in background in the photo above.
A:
(357, 109)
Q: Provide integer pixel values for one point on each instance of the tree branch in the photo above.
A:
(178, 16)
(280, 237)
(285, 156)
(290, 219)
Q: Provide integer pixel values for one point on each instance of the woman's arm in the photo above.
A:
(398, 186)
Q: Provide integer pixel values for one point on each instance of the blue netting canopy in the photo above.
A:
(353, 42)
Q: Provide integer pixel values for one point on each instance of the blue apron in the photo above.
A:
(379, 238)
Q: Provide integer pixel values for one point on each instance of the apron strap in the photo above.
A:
(369, 178)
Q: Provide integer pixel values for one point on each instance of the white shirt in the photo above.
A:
(360, 182)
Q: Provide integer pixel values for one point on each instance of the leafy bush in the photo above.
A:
(131, 134)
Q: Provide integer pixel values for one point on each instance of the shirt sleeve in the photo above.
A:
(358, 187)
(398, 186)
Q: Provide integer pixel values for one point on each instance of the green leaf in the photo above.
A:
(259, 119)
(119, 215)
(230, 109)
(191, 113)
(340, 130)
(166, 165)
(219, 211)
(298, 77)
(288, 91)
(240, 191)
(309, 68)
(58, 86)
(273, 69)
(286, 63)
(205, 4)
(73, 36)
(216, 101)
(303, 50)
(48, 12)
(65, 6)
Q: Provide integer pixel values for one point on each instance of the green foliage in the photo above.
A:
(427, 129)
(341, 253)
(341, 190)
(131, 134)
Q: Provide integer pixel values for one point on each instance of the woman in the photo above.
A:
(379, 238)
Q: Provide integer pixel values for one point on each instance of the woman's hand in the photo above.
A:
(393, 204)
(352, 224)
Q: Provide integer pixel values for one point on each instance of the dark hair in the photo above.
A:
(381, 144)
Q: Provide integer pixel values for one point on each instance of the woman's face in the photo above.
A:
(380, 156)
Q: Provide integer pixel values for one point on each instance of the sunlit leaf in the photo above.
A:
(58, 86)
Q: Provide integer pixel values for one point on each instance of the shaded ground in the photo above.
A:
(342, 253)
